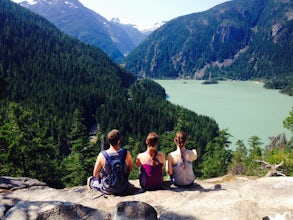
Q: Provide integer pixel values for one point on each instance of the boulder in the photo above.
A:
(51, 210)
(134, 210)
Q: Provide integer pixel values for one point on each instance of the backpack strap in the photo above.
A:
(106, 155)
(122, 154)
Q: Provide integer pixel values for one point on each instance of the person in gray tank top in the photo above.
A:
(179, 162)
(103, 173)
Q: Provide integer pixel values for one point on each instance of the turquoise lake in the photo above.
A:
(245, 108)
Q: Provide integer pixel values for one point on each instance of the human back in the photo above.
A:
(151, 163)
(112, 168)
(179, 165)
(116, 172)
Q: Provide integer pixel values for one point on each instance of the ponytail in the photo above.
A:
(152, 141)
(153, 153)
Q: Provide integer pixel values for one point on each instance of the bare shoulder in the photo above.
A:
(171, 154)
(161, 157)
(140, 155)
(100, 156)
(172, 157)
(192, 154)
(101, 159)
(193, 151)
(161, 154)
(190, 150)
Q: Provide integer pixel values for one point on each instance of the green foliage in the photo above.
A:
(135, 148)
(182, 124)
(278, 151)
(288, 122)
(260, 162)
(24, 150)
(238, 165)
(278, 154)
(254, 154)
(217, 156)
(284, 84)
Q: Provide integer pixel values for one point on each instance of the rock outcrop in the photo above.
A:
(228, 197)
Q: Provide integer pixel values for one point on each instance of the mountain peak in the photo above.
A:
(116, 20)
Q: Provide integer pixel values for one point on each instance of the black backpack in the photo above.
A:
(116, 181)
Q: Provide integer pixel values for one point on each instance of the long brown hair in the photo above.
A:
(180, 140)
(152, 141)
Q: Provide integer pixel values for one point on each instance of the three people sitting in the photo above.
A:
(113, 166)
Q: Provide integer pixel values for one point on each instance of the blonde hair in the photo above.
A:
(152, 141)
(180, 140)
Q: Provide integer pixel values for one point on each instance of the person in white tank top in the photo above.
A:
(179, 162)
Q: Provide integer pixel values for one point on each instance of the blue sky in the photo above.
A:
(147, 12)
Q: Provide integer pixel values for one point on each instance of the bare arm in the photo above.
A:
(129, 161)
(98, 165)
(169, 169)
(162, 158)
(137, 161)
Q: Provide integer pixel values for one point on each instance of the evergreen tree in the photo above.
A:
(238, 165)
(217, 156)
(24, 149)
(288, 122)
(82, 154)
(182, 124)
(255, 153)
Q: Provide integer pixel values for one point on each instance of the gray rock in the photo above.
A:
(3, 210)
(14, 183)
(52, 210)
(69, 211)
(134, 210)
(239, 197)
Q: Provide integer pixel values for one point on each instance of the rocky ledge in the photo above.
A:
(227, 197)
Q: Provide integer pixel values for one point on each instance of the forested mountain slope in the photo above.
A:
(57, 88)
(237, 40)
(88, 26)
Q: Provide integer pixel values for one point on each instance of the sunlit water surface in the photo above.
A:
(245, 108)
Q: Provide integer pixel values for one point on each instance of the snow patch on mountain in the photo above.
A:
(142, 28)
(71, 5)
(150, 28)
(31, 2)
